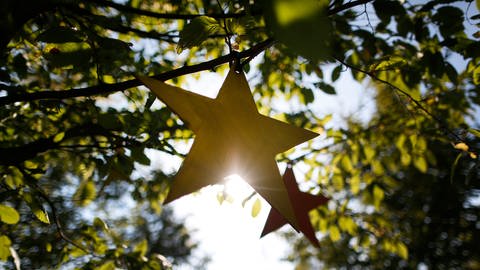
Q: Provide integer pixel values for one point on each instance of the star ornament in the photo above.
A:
(231, 137)
(302, 202)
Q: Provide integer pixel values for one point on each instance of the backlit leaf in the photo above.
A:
(369, 152)
(100, 224)
(347, 163)
(85, 193)
(347, 224)
(402, 250)
(378, 195)
(334, 233)
(4, 247)
(475, 132)
(461, 146)
(8, 214)
(141, 248)
(108, 265)
(58, 137)
(420, 163)
(197, 31)
(41, 215)
(257, 206)
(355, 184)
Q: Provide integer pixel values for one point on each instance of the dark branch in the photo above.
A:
(152, 14)
(122, 86)
(18, 154)
(347, 6)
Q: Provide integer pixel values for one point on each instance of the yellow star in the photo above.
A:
(232, 137)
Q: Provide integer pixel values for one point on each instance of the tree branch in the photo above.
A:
(103, 89)
(138, 11)
(347, 6)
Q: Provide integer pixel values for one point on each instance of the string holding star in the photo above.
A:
(231, 137)
(302, 202)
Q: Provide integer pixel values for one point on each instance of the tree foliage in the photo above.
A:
(77, 134)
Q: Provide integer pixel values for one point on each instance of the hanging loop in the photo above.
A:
(236, 63)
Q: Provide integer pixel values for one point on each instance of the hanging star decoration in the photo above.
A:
(302, 202)
(231, 137)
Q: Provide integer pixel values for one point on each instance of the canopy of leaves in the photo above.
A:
(78, 137)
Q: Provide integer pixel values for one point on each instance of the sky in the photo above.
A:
(227, 232)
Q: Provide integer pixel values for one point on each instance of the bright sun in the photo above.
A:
(236, 187)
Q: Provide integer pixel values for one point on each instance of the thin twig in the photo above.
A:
(417, 103)
(347, 6)
(31, 182)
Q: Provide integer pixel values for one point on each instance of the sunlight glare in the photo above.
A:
(237, 187)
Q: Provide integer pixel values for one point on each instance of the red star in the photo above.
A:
(302, 203)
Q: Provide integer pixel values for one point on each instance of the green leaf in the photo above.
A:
(197, 31)
(475, 132)
(337, 182)
(256, 207)
(421, 164)
(59, 35)
(476, 75)
(390, 62)
(57, 138)
(85, 193)
(454, 166)
(369, 152)
(461, 146)
(347, 224)
(336, 73)
(355, 184)
(326, 88)
(41, 215)
(8, 214)
(307, 94)
(5, 244)
(138, 155)
(378, 195)
(108, 265)
(334, 233)
(141, 248)
(347, 163)
(402, 250)
(386, 9)
(301, 25)
(405, 158)
(100, 224)
(449, 19)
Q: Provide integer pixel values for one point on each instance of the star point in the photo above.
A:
(302, 203)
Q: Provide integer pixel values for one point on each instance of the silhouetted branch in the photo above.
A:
(347, 6)
(122, 86)
(138, 11)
